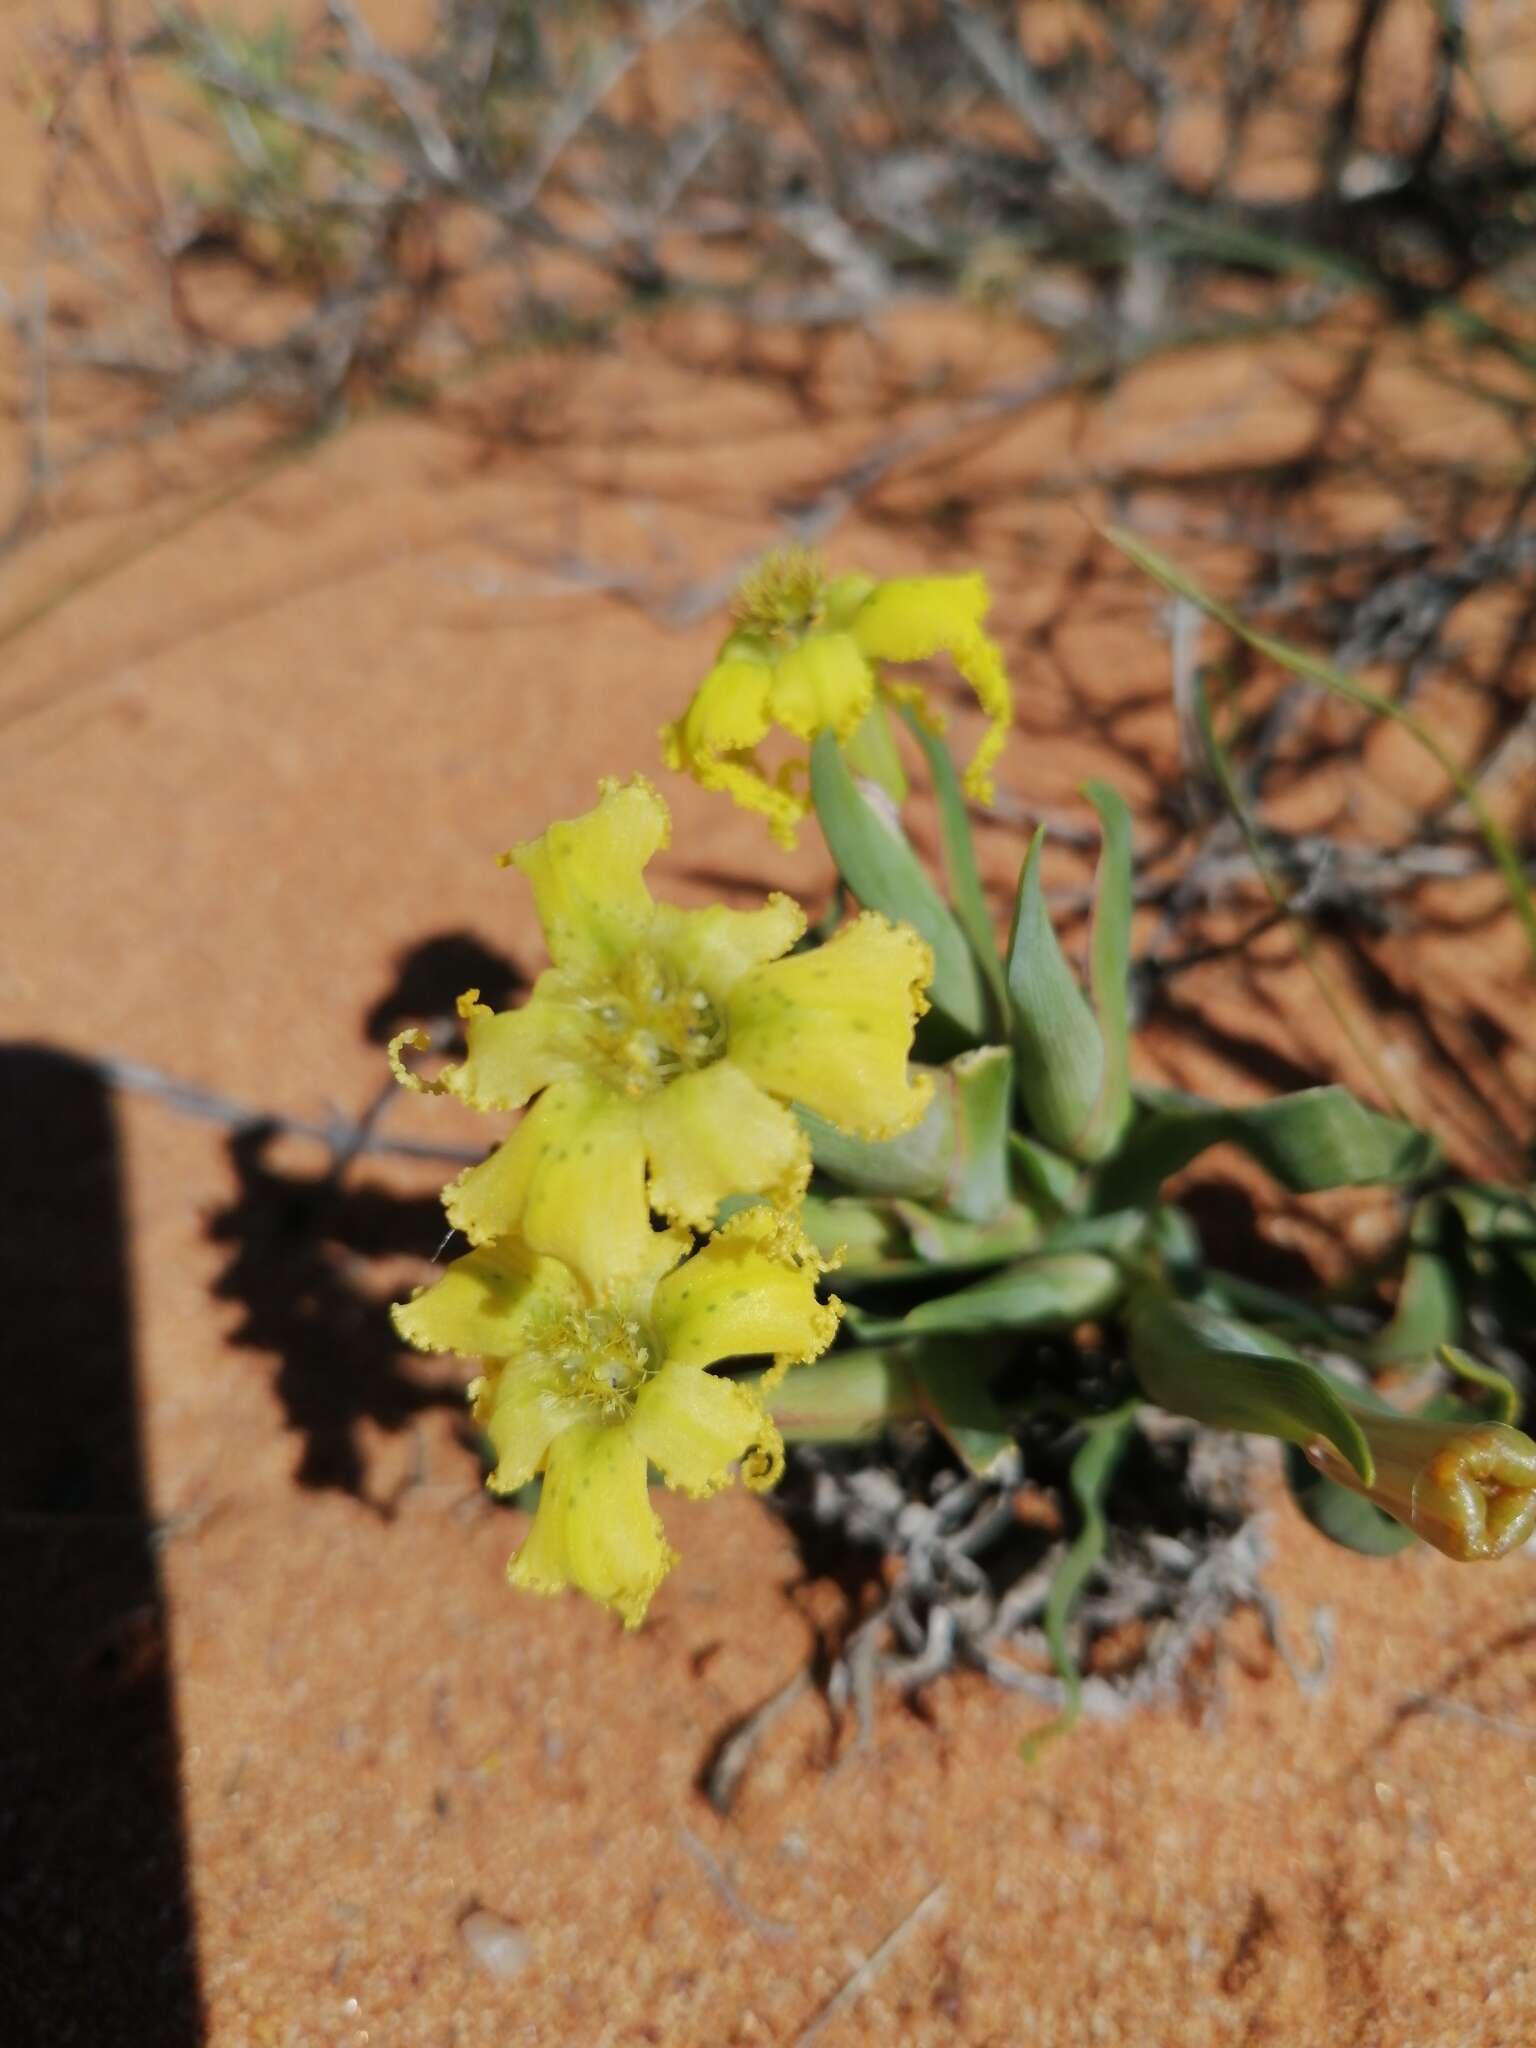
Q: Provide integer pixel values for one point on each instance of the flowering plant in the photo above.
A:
(717, 1107)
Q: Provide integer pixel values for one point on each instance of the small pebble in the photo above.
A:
(496, 1945)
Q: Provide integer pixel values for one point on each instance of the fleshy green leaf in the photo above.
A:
(958, 1155)
(866, 1234)
(1110, 965)
(1053, 1291)
(983, 1081)
(847, 1398)
(880, 867)
(1074, 1056)
(1428, 1310)
(1319, 1138)
(1225, 1373)
(965, 890)
(1042, 1176)
(1055, 1034)
(1346, 1518)
(950, 1241)
(951, 1383)
(920, 1163)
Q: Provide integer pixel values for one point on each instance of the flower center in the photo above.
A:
(784, 597)
(644, 1030)
(601, 1358)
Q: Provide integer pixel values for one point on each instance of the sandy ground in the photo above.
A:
(289, 1740)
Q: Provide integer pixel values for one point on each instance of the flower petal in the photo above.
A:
(712, 949)
(751, 1291)
(521, 1410)
(694, 1427)
(595, 1527)
(823, 685)
(714, 739)
(832, 1027)
(716, 1133)
(728, 713)
(512, 1054)
(489, 1304)
(587, 875)
(911, 618)
(570, 1179)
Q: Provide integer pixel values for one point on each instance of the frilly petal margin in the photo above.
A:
(489, 1303)
(595, 1528)
(912, 618)
(750, 1292)
(716, 1133)
(511, 1054)
(694, 1427)
(587, 875)
(832, 1027)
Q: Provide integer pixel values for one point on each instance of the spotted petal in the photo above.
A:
(750, 1292)
(570, 1179)
(522, 1410)
(712, 949)
(832, 1027)
(588, 876)
(716, 1133)
(694, 1427)
(490, 1304)
(595, 1528)
(511, 1054)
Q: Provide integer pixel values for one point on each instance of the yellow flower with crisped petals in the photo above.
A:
(805, 656)
(587, 1384)
(661, 1051)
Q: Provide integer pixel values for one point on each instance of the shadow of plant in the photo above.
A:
(305, 1247)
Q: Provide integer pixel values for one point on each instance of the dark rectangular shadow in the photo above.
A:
(96, 1931)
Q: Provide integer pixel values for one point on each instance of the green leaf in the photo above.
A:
(1055, 1034)
(1053, 1291)
(950, 1241)
(1093, 1468)
(1074, 1057)
(965, 888)
(1319, 1138)
(847, 1398)
(1346, 1518)
(878, 864)
(1339, 684)
(958, 1155)
(1041, 1175)
(951, 1385)
(1110, 968)
(920, 1163)
(1225, 1373)
(1505, 1405)
(868, 1234)
(979, 1188)
(1428, 1310)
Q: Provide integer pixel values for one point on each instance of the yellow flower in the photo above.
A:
(805, 655)
(588, 1384)
(661, 1051)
